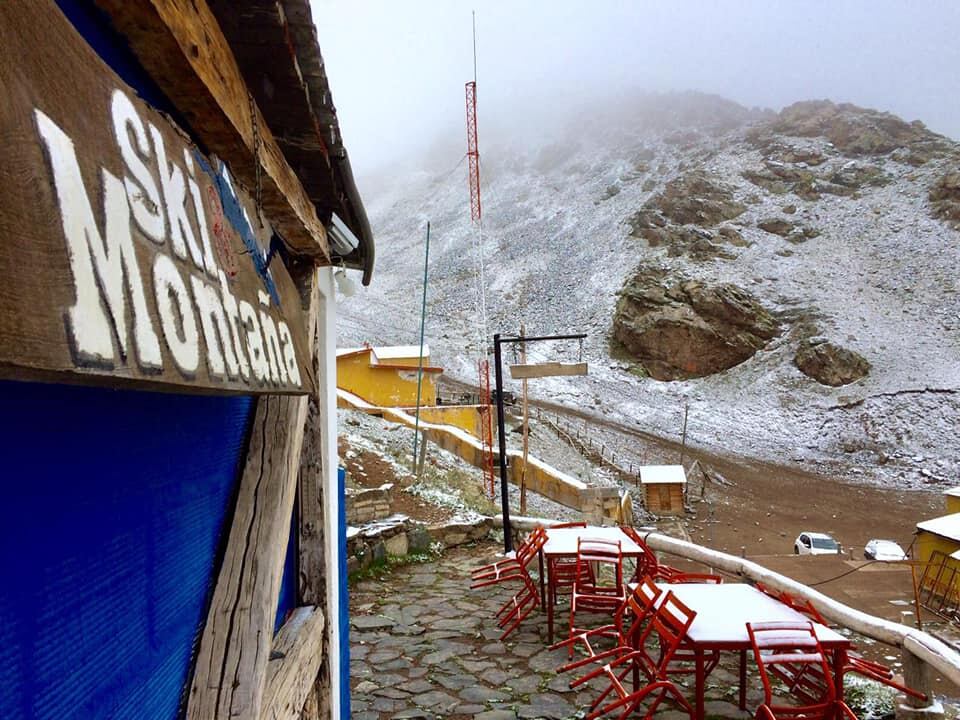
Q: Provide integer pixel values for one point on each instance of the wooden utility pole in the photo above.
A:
(526, 444)
(683, 439)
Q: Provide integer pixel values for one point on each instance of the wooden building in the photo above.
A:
(174, 198)
(663, 488)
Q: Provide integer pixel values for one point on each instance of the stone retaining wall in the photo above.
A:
(362, 506)
(398, 535)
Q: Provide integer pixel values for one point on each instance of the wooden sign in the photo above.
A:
(549, 369)
(128, 257)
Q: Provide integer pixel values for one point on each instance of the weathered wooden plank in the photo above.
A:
(295, 660)
(312, 558)
(128, 256)
(548, 369)
(317, 465)
(230, 669)
(183, 48)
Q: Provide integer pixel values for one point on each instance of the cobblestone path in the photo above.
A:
(423, 645)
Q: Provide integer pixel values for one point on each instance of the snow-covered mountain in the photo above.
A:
(854, 252)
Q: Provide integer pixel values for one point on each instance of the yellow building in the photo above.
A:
(938, 549)
(387, 376)
(940, 533)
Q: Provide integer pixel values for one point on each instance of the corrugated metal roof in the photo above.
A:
(947, 526)
(662, 474)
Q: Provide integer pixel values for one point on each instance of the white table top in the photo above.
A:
(723, 612)
(563, 541)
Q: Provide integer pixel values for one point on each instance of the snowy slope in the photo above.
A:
(880, 279)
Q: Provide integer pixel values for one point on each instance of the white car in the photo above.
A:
(884, 550)
(812, 543)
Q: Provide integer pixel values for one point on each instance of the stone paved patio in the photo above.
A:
(423, 645)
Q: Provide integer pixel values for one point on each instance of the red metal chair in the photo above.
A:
(516, 609)
(511, 568)
(605, 592)
(647, 564)
(791, 653)
(682, 578)
(670, 622)
(854, 663)
(562, 571)
(624, 631)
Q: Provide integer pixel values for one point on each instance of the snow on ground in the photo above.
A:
(881, 279)
(448, 482)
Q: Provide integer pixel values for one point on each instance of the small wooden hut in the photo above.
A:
(663, 488)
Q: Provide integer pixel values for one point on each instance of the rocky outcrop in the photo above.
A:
(856, 131)
(945, 197)
(677, 218)
(678, 329)
(696, 199)
(830, 364)
(792, 231)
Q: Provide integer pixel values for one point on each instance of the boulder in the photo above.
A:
(679, 329)
(829, 363)
(776, 226)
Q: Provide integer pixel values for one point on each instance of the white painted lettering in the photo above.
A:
(289, 353)
(178, 323)
(175, 200)
(258, 358)
(216, 334)
(233, 318)
(102, 266)
(209, 259)
(142, 192)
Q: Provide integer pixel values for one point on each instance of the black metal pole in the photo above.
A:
(501, 436)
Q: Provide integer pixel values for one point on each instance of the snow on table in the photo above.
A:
(723, 612)
(563, 541)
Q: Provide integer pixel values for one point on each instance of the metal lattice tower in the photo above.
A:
(473, 151)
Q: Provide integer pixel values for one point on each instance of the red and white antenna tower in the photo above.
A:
(473, 152)
(483, 365)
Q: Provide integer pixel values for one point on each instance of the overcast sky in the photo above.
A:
(397, 68)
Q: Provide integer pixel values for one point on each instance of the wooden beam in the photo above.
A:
(312, 557)
(317, 462)
(182, 46)
(230, 672)
(294, 662)
(550, 369)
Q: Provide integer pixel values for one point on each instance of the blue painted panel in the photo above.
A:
(344, 596)
(96, 28)
(288, 584)
(114, 506)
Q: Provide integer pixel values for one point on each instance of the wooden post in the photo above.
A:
(683, 439)
(421, 461)
(526, 443)
(230, 669)
(917, 675)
